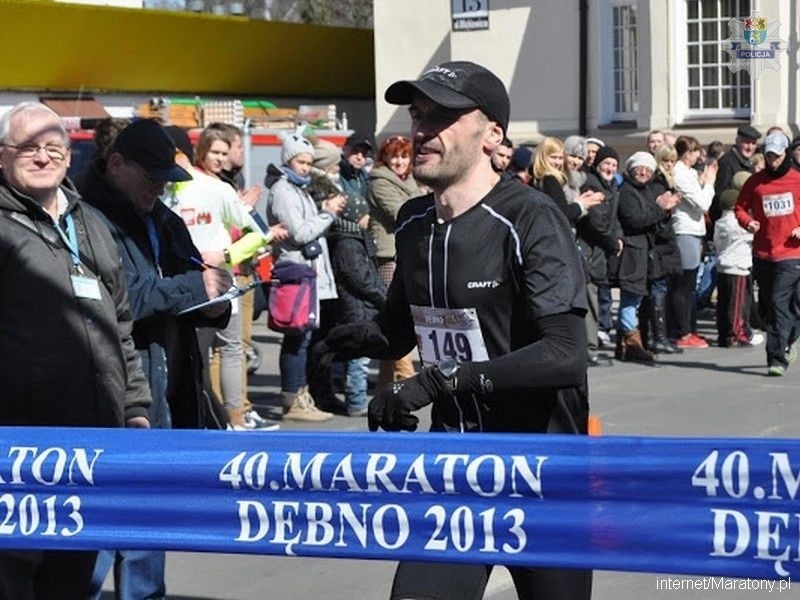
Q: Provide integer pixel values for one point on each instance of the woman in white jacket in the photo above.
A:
(688, 221)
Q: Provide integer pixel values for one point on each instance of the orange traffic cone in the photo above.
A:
(595, 426)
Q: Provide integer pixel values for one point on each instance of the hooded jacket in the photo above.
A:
(66, 360)
(361, 291)
(387, 193)
(166, 342)
(292, 206)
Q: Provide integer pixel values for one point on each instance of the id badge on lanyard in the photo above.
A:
(83, 286)
(448, 332)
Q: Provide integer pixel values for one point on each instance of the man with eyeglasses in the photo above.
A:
(65, 322)
(165, 275)
(490, 286)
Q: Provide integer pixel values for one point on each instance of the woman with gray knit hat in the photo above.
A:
(289, 203)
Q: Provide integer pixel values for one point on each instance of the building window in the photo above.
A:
(712, 88)
(626, 83)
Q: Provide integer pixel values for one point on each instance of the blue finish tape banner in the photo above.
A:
(702, 506)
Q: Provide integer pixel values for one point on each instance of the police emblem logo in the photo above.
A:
(754, 44)
(755, 31)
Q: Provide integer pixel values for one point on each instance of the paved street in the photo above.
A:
(716, 392)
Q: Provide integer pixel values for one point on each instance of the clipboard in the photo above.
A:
(233, 292)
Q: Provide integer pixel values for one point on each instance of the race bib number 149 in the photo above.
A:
(448, 333)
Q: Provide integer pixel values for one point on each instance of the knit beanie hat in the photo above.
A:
(603, 153)
(728, 198)
(521, 159)
(294, 144)
(595, 141)
(575, 145)
(347, 221)
(326, 154)
(739, 179)
(356, 208)
(639, 159)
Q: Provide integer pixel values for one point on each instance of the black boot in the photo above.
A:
(658, 326)
(645, 319)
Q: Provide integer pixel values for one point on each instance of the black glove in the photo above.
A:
(346, 342)
(391, 408)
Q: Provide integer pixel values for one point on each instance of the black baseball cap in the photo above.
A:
(749, 132)
(180, 138)
(147, 144)
(458, 84)
(358, 140)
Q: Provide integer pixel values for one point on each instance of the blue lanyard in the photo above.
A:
(70, 240)
(154, 245)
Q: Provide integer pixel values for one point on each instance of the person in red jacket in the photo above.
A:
(768, 207)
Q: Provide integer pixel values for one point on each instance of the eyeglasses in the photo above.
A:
(54, 152)
(396, 138)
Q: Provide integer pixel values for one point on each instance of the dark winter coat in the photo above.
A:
(730, 163)
(638, 216)
(551, 186)
(166, 342)
(361, 291)
(599, 232)
(66, 360)
(664, 256)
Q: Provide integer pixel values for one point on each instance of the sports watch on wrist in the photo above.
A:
(448, 367)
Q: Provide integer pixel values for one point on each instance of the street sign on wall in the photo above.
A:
(470, 15)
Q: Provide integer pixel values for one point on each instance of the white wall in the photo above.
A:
(534, 58)
(533, 47)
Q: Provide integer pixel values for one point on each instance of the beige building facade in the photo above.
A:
(660, 64)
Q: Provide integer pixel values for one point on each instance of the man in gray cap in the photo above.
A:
(520, 291)
(733, 161)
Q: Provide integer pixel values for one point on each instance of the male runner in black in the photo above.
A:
(489, 286)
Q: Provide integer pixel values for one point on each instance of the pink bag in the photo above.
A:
(293, 298)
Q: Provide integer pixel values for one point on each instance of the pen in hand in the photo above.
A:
(200, 263)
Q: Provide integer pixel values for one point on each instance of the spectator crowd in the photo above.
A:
(160, 251)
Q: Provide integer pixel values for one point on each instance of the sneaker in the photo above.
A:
(603, 339)
(691, 341)
(776, 371)
(255, 422)
(253, 358)
(302, 408)
(755, 340)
